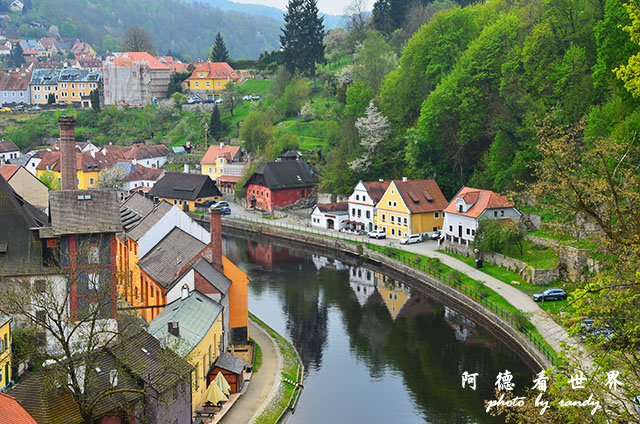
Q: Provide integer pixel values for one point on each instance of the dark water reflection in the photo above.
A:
(375, 350)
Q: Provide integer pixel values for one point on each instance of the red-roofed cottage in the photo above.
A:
(363, 201)
(12, 413)
(468, 207)
(211, 77)
(217, 159)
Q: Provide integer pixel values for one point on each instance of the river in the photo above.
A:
(375, 350)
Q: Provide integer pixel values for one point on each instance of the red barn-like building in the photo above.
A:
(279, 184)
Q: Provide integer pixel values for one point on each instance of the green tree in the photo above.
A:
(110, 43)
(256, 130)
(216, 130)
(113, 178)
(68, 29)
(49, 179)
(95, 100)
(373, 60)
(51, 99)
(219, 52)
(16, 58)
(231, 96)
(295, 95)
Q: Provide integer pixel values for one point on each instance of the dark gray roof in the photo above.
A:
(84, 211)
(165, 261)
(178, 185)
(212, 275)
(44, 76)
(285, 174)
(33, 216)
(139, 214)
(148, 221)
(230, 363)
(8, 146)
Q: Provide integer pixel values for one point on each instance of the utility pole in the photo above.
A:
(206, 130)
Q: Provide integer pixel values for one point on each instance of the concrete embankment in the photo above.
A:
(497, 324)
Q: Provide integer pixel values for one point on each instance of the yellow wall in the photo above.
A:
(70, 91)
(199, 356)
(84, 178)
(394, 214)
(426, 222)
(191, 203)
(394, 298)
(214, 170)
(5, 354)
(43, 91)
(208, 84)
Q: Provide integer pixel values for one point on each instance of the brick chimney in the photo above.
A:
(68, 152)
(215, 229)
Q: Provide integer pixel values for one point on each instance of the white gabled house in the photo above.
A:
(331, 216)
(363, 201)
(468, 207)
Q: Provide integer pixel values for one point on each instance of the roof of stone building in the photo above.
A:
(178, 185)
(164, 262)
(209, 273)
(285, 174)
(84, 211)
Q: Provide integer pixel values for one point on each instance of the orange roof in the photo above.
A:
(12, 413)
(85, 162)
(125, 59)
(214, 70)
(30, 51)
(229, 179)
(8, 170)
(376, 189)
(229, 152)
(421, 195)
(481, 200)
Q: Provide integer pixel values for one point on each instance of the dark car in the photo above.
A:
(226, 210)
(550, 294)
(207, 101)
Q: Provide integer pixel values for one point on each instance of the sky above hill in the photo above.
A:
(331, 7)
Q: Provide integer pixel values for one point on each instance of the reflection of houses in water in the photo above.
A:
(322, 262)
(267, 254)
(463, 327)
(363, 282)
(394, 294)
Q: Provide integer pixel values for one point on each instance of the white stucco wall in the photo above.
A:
(359, 204)
(319, 219)
(453, 221)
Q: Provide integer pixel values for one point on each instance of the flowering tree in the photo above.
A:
(373, 128)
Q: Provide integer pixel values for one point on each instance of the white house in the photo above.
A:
(363, 282)
(468, 207)
(8, 150)
(16, 6)
(363, 201)
(331, 216)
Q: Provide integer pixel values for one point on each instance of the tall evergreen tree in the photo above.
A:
(95, 100)
(215, 125)
(16, 58)
(219, 52)
(302, 37)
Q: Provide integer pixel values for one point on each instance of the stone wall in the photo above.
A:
(438, 289)
(528, 273)
(573, 264)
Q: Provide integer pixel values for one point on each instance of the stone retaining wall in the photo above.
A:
(528, 273)
(507, 332)
(573, 264)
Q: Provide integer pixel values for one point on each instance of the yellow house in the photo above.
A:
(43, 82)
(213, 162)
(210, 77)
(88, 165)
(410, 207)
(73, 84)
(394, 294)
(192, 327)
(185, 190)
(5, 349)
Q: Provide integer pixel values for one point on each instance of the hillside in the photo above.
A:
(184, 28)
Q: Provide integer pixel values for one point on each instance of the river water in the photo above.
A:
(375, 350)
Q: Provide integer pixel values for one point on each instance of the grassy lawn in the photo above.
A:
(540, 257)
(551, 234)
(291, 369)
(548, 215)
(256, 86)
(310, 134)
(257, 361)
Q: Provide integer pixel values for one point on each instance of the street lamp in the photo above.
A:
(206, 131)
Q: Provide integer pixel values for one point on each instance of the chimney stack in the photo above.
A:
(221, 144)
(215, 230)
(404, 179)
(68, 152)
(185, 291)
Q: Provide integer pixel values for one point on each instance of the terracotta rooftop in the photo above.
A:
(12, 413)
(376, 189)
(15, 80)
(126, 58)
(333, 207)
(85, 162)
(8, 170)
(8, 146)
(481, 200)
(214, 70)
(421, 195)
(229, 152)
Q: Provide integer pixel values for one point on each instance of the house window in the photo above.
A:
(460, 208)
(210, 169)
(393, 219)
(393, 232)
(267, 194)
(495, 214)
(175, 202)
(94, 254)
(393, 191)
(501, 213)
(73, 85)
(93, 282)
(359, 212)
(91, 181)
(436, 215)
(357, 197)
(197, 84)
(451, 228)
(383, 217)
(208, 84)
(473, 232)
(405, 221)
(395, 204)
(389, 202)
(400, 233)
(368, 214)
(468, 232)
(353, 211)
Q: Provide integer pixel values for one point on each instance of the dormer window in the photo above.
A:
(460, 208)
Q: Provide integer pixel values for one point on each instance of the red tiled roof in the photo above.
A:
(138, 151)
(376, 189)
(84, 161)
(8, 146)
(229, 179)
(421, 195)
(145, 173)
(8, 170)
(15, 80)
(30, 51)
(229, 152)
(481, 199)
(215, 70)
(12, 413)
(333, 207)
(125, 59)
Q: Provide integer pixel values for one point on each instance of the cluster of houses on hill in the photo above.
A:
(401, 208)
(123, 78)
(104, 256)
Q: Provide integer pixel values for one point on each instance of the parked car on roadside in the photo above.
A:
(550, 294)
(410, 239)
(435, 235)
(5, 109)
(377, 234)
(226, 210)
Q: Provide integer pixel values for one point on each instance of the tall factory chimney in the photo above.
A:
(68, 152)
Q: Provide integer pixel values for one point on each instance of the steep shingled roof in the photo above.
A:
(86, 162)
(280, 175)
(8, 146)
(178, 185)
(421, 195)
(137, 151)
(126, 58)
(214, 152)
(230, 363)
(8, 170)
(481, 200)
(84, 211)
(333, 207)
(376, 189)
(214, 70)
(12, 412)
(15, 80)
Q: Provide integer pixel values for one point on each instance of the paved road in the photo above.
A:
(263, 383)
(552, 332)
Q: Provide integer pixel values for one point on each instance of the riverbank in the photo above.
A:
(528, 344)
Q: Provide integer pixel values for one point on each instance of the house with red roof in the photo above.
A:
(135, 78)
(14, 87)
(209, 78)
(470, 205)
(8, 150)
(12, 412)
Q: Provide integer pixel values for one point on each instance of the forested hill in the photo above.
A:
(472, 86)
(174, 25)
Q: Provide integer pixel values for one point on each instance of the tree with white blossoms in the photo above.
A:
(373, 128)
(113, 177)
